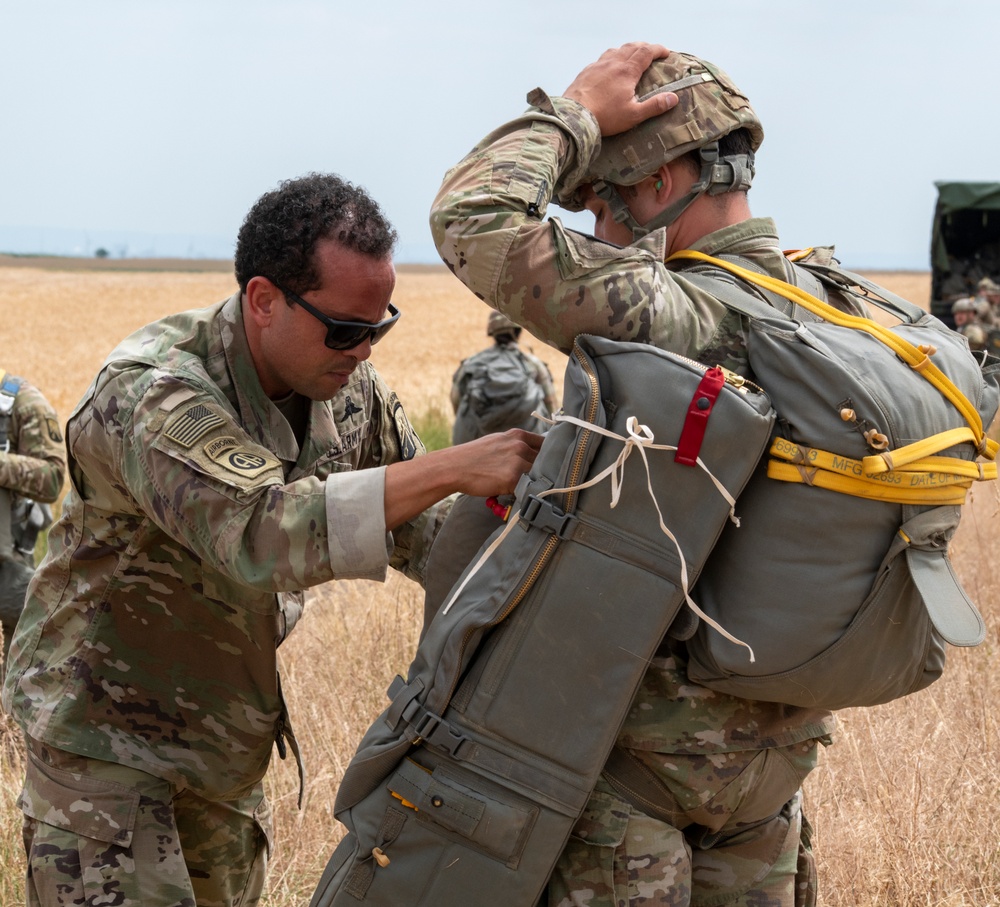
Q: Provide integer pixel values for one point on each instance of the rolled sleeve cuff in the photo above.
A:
(355, 516)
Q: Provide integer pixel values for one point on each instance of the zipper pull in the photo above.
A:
(732, 379)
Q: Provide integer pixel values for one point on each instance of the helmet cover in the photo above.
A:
(709, 107)
(500, 324)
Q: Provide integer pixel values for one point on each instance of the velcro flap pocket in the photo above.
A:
(490, 818)
(101, 810)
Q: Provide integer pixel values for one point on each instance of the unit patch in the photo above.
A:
(408, 441)
(192, 423)
(233, 456)
(350, 408)
(52, 427)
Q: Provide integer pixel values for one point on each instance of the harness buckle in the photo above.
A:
(542, 514)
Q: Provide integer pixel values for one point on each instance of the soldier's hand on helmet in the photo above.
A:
(494, 463)
(607, 87)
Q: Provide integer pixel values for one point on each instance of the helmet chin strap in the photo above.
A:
(729, 174)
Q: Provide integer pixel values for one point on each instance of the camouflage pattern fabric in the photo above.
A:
(975, 333)
(509, 357)
(487, 222)
(35, 465)
(736, 850)
(194, 521)
(34, 469)
(100, 833)
(558, 283)
(540, 372)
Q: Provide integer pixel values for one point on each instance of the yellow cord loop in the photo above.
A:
(918, 450)
(917, 359)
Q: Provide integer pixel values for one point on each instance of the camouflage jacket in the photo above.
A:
(487, 222)
(35, 464)
(149, 636)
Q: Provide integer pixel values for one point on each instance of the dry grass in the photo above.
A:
(903, 804)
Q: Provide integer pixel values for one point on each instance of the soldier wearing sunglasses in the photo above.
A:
(223, 460)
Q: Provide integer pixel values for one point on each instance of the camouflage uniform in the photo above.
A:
(31, 469)
(144, 672)
(538, 370)
(729, 828)
(968, 316)
(471, 521)
(36, 462)
(533, 366)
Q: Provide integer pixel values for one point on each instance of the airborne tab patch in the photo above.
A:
(192, 423)
(234, 457)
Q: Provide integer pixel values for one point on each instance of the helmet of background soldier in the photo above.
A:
(963, 304)
(710, 106)
(988, 285)
(501, 324)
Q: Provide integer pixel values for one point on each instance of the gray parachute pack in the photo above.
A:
(839, 580)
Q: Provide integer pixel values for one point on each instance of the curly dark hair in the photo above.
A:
(281, 230)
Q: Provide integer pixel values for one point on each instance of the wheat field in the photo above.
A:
(904, 803)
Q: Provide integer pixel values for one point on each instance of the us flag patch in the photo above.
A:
(191, 424)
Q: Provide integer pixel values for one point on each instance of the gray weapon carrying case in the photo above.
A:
(467, 787)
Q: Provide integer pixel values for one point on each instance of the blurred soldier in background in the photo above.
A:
(659, 147)
(32, 467)
(496, 389)
(987, 301)
(965, 311)
(500, 387)
(223, 460)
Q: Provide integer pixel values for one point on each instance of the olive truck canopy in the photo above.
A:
(965, 242)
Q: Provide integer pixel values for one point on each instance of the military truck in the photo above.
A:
(965, 242)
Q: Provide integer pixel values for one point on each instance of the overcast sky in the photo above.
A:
(150, 126)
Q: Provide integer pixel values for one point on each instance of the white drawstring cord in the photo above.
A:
(640, 438)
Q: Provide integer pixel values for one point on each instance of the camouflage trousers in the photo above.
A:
(729, 831)
(98, 834)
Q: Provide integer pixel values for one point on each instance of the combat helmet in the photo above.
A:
(501, 324)
(963, 304)
(710, 106)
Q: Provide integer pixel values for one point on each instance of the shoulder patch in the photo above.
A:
(404, 430)
(191, 423)
(52, 427)
(236, 457)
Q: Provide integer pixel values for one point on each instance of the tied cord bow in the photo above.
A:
(639, 438)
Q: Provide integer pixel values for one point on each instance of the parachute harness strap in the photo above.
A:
(909, 474)
(639, 438)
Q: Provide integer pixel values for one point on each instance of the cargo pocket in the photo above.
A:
(264, 818)
(593, 859)
(82, 832)
(758, 847)
(426, 837)
(461, 804)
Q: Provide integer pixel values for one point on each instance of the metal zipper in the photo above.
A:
(732, 378)
(550, 545)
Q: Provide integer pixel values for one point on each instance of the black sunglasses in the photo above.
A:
(345, 335)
